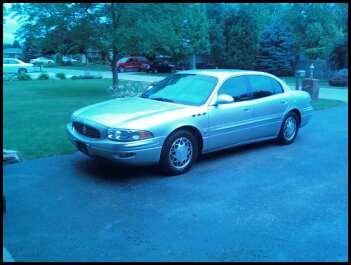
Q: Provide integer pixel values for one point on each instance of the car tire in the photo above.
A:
(179, 152)
(22, 71)
(289, 129)
(155, 71)
(121, 69)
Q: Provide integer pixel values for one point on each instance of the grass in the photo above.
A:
(322, 104)
(88, 67)
(36, 112)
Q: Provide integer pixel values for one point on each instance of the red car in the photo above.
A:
(136, 63)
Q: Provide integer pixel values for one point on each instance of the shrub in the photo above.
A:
(23, 77)
(61, 75)
(43, 77)
(339, 78)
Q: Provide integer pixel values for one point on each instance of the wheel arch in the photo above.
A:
(195, 131)
(298, 113)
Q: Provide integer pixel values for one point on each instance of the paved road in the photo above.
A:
(261, 202)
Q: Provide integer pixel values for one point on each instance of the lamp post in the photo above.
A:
(311, 70)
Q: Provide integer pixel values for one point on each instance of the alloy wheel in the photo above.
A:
(290, 128)
(181, 153)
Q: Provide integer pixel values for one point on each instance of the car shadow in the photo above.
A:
(105, 170)
(235, 150)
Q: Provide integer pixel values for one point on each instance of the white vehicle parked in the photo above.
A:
(12, 65)
(67, 59)
(42, 60)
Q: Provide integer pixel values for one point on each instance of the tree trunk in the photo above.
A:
(114, 70)
(114, 49)
(193, 61)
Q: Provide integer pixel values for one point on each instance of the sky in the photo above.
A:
(9, 28)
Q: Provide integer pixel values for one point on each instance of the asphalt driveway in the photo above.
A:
(261, 202)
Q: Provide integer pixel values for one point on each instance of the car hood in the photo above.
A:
(125, 111)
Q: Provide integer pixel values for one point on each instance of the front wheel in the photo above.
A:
(289, 129)
(121, 69)
(179, 152)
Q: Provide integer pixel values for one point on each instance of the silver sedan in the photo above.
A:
(191, 113)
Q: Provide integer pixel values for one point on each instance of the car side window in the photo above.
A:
(277, 87)
(237, 87)
(263, 86)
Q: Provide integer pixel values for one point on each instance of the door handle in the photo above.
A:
(246, 109)
(284, 101)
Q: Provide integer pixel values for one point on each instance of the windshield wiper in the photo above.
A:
(163, 99)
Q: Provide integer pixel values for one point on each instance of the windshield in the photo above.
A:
(188, 89)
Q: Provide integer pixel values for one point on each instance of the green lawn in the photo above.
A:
(322, 104)
(88, 67)
(36, 112)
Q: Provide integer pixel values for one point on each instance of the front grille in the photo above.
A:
(86, 130)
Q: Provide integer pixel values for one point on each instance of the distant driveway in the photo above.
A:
(132, 76)
(261, 202)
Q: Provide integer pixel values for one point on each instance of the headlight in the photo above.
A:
(124, 135)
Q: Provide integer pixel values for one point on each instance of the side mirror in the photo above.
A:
(224, 99)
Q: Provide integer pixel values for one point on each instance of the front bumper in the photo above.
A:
(133, 153)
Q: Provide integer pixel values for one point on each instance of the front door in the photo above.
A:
(229, 124)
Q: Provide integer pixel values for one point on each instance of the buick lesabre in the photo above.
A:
(188, 114)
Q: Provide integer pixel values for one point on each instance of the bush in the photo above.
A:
(43, 77)
(23, 77)
(61, 75)
(86, 77)
(340, 78)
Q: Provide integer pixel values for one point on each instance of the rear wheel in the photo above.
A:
(289, 128)
(179, 152)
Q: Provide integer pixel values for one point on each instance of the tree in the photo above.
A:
(241, 34)
(275, 53)
(216, 18)
(316, 27)
(338, 58)
(16, 44)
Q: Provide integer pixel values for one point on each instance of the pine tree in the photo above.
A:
(240, 31)
(275, 52)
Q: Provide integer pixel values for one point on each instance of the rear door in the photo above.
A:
(268, 105)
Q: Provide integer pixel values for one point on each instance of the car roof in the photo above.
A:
(223, 73)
